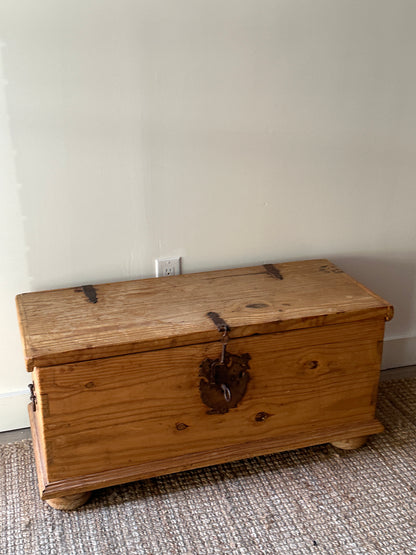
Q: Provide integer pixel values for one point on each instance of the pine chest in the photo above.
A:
(141, 378)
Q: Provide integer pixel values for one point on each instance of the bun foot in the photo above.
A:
(350, 443)
(69, 502)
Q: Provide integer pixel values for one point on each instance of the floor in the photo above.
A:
(392, 374)
(14, 435)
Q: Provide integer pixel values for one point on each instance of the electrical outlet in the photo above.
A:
(168, 267)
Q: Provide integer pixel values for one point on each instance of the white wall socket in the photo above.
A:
(168, 266)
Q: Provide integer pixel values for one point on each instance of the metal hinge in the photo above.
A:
(32, 396)
(219, 322)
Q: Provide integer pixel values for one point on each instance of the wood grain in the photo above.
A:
(107, 414)
(314, 436)
(64, 326)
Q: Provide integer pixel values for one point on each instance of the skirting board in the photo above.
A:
(399, 352)
(13, 410)
(13, 406)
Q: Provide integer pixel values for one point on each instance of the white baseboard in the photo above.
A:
(399, 352)
(13, 410)
(13, 405)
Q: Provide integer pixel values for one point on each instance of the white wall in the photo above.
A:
(230, 132)
(13, 277)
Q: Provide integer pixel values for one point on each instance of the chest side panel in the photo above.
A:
(123, 411)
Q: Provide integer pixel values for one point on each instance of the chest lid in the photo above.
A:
(91, 322)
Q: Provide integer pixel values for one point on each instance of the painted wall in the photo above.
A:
(229, 132)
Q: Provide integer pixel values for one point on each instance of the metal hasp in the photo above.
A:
(223, 380)
(32, 396)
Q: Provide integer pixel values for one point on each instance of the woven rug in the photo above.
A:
(315, 500)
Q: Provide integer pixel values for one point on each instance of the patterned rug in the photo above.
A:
(315, 500)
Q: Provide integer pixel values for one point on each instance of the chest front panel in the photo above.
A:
(139, 409)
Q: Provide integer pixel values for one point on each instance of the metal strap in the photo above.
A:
(219, 322)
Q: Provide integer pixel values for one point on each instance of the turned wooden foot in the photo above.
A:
(69, 502)
(350, 443)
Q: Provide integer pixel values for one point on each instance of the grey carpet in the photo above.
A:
(315, 500)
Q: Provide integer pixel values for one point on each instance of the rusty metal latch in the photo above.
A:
(219, 322)
(32, 396)
(224, 379)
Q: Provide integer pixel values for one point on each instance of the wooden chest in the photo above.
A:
(142, 378)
